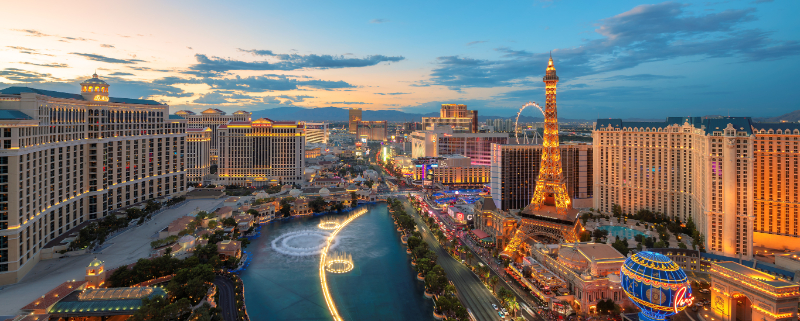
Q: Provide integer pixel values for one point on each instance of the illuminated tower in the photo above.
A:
(550, 186)
(94, 89)
(550, 216)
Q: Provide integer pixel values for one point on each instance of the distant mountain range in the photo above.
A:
(336, 114)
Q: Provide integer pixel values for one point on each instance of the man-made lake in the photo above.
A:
(282, 281)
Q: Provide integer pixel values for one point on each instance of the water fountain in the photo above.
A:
(339, 262)
(302, 243)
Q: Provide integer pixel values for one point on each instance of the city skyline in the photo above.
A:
(691, 59)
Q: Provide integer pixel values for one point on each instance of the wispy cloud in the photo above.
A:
(347, 103)
(119, 73)
(286, 62)
(36, 33)
(20, 75)
(29, 51)
(640, 77)
(379, 21)
(476, 42)
(391, 94)
(52, 65)
(107, 46)
(96, 57)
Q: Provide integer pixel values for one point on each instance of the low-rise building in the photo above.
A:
(229, 248)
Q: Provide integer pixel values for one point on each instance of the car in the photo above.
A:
(495, 307)
(505, 311)
(500, 313)
(704, 291)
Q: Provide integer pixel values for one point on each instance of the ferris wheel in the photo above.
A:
(516, 122)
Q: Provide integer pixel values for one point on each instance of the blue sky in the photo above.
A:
(616, 59)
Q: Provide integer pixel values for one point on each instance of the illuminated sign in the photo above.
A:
(100, 98)
(682, 299)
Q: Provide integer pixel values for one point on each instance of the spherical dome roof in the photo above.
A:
(324, 192)
(295, 192)
(656, 284)
(186, 239)
(94, 81)
(95, 263)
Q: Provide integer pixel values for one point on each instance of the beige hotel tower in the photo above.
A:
(69, 158)
(735, 178)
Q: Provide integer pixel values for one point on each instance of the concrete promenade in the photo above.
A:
(124, 249)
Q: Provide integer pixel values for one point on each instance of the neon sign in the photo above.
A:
(100, 98)
(682, 299)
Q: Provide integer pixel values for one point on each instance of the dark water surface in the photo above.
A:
(282, 282)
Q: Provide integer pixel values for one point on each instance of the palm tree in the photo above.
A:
(493, 282)
(513, 304)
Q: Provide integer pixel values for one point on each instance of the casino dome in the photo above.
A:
(95, 80)
(656, 284)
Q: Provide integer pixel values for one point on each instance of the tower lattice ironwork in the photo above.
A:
(550, 186)
(550, 189)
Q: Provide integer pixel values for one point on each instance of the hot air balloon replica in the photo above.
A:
(656, 284)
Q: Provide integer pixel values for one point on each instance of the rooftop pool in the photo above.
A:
(620, 231)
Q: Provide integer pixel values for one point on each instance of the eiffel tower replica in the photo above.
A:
(549, 216)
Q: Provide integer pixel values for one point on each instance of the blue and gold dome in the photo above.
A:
(656, 284)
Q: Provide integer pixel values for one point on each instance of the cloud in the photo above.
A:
(28, 51)
(20, 75)
(36, 33)
(296, 99)
(52, 65)
(347, 103)
(211, 99)
(640, 77)
(286, 62)
(107, 46)
(476, 42)
(391, 94)
(379, 21)
(119, 73)
(139, 68)
(646, 33)
(32, 33)
(272, 83)
(100, 58)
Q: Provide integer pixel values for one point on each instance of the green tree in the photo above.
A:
(286, 210)
(318, 205)
(353, 199)
(229, 222)
(585, 236)
(160, 308)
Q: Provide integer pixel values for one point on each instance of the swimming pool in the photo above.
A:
(620, 231)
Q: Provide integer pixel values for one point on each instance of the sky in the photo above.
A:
(615, 59)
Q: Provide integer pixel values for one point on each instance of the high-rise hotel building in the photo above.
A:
(515, 168)
(68, 158)
(735, 178)
(198, 154)
(213, 118)
(316, 133)
(353, 117)
(261, 152)
(457, 116)
(437, 141)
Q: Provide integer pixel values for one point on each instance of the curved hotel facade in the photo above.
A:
(69, 158)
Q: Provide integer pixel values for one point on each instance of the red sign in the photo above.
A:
(682, 299)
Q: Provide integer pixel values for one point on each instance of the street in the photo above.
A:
(475, 296)
(227, 298)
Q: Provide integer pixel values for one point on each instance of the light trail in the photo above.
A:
(322, 259)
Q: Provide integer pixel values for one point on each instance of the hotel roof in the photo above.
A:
(710, 124)
(57, 94)
(755, 274)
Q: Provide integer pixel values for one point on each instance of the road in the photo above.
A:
(475, 296)
(227, 298)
